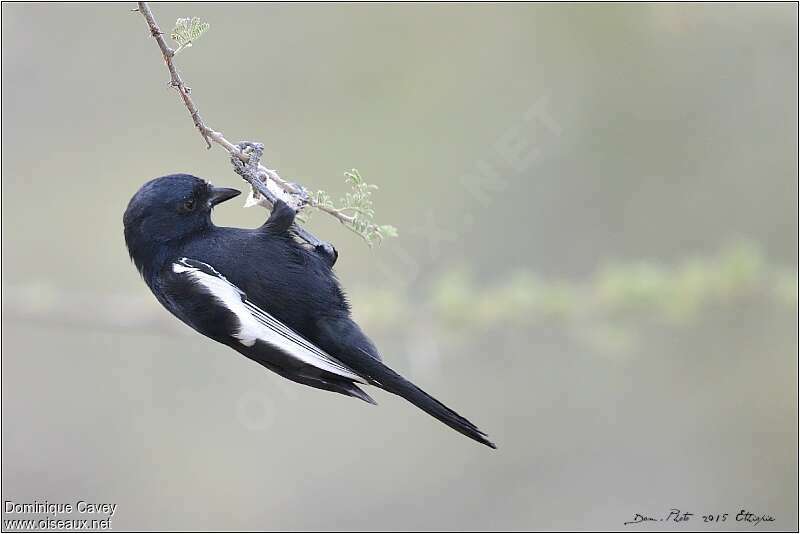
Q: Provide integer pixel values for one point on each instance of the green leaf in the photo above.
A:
(188, 30)
(356, 207)
(388, 230)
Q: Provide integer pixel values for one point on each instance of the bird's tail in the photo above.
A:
(392, 382)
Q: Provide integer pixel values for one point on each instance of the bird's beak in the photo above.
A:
(221, 194)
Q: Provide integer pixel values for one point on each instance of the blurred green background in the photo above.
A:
(597, 263)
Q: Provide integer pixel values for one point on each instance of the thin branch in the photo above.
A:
(175, 78)
(210, 135)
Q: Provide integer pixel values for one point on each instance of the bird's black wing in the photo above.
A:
(204, 299)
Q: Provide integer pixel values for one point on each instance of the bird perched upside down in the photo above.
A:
(260, 292)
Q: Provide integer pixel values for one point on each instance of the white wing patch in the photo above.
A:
(257, 325)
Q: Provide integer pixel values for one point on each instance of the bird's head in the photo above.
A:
(170, 208)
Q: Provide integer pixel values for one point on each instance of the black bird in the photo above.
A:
(260, 292)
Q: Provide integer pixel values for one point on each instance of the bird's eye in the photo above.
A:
(188, 205)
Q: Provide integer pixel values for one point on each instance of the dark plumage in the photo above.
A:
(260, 292)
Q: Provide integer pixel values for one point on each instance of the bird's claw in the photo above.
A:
(302, 196)
(238, 165)
(327, 250)
(253, 151)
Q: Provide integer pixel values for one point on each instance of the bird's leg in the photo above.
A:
(280, 220)
(254, 151)
(303, 198)
(249, 169)
(328, 252)
(323, 248)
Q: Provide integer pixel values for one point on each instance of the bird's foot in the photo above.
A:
(302, 197)
(253, 151)
(328, 251)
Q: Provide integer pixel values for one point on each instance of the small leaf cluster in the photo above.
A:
(188, 30)
(356, 208)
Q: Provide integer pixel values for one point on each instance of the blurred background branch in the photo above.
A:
(610, 310)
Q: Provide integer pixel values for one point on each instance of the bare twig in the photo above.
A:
(175, 78)
(209, 135)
